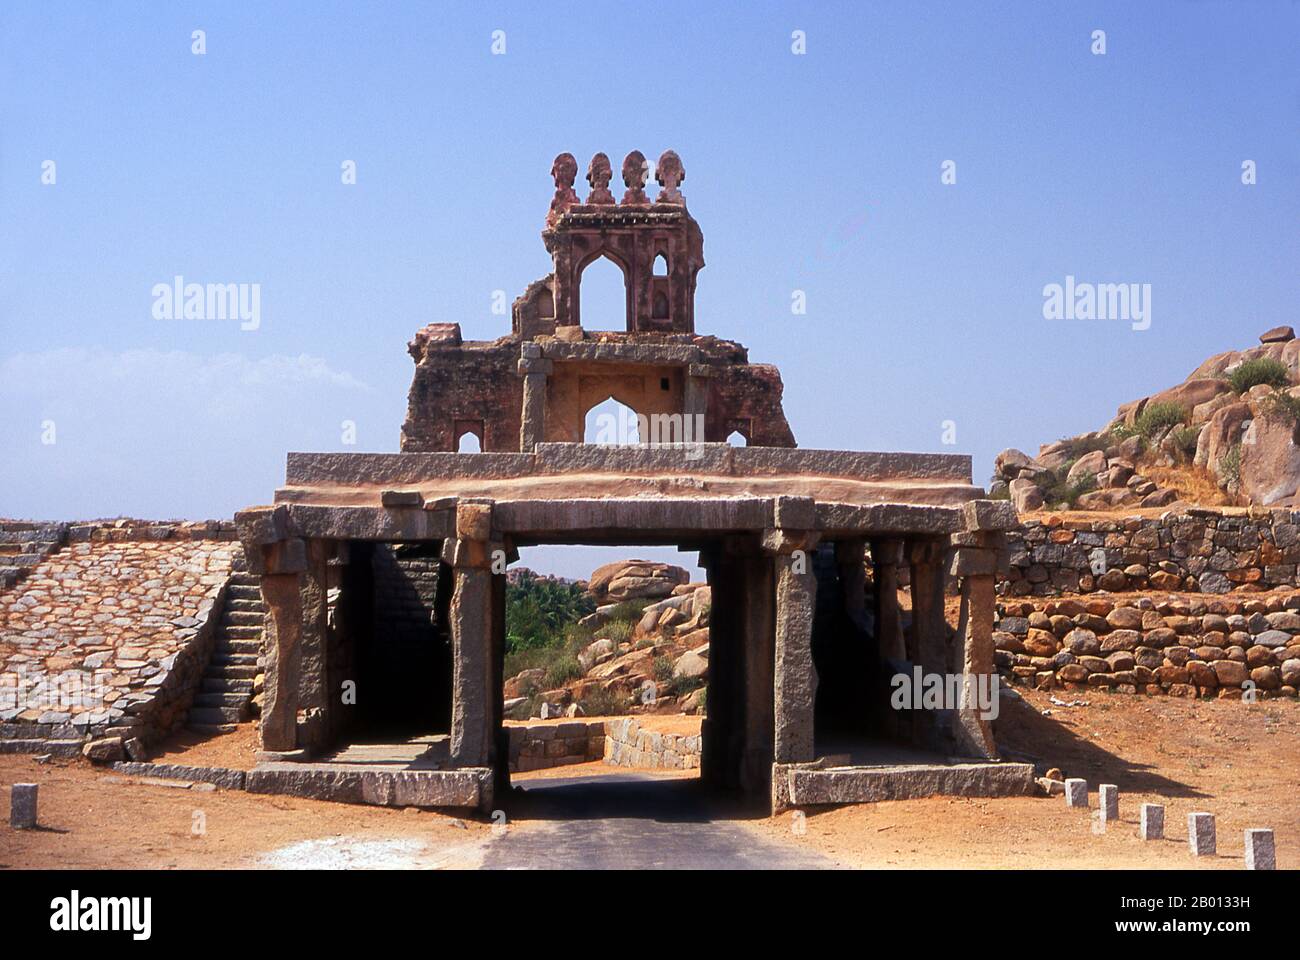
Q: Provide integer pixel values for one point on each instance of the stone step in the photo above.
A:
(233, 659)
(243, 592)
(230, 671)
(238, 579)
(244, 632)
(214, 728)
(216, 714)
(214, 684)
(245, 605)
(211, 699)
(241, 618)
(237, 645)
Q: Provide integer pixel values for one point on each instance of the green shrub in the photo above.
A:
(600, 702)
(1058, 490)
(1230, 466)
(1265, 370)
(661, 668)
(1184, 440)
(562, 670)
(620, 631)
(1156, 417)
(1281, 402)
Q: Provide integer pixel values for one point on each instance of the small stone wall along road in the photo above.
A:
(632, 822)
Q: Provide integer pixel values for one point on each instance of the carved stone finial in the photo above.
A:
(565, 171)
(599, 173)
(635, 172)
(669, 172)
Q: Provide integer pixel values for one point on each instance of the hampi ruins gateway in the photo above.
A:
(799, 656)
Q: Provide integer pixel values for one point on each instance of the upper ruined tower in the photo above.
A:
(656, 244)
(537, 384)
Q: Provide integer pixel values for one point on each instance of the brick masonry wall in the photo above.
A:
(542, 745)
(1229, 646)
(628, 745)
(1196, 551)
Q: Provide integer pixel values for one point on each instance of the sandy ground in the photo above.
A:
(1237, 761)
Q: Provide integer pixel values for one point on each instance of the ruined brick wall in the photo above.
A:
(467, 385)
(1191, 646)
(628, 744)
(1197, 550)
(748, 398)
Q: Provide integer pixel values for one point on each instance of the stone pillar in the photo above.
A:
(974, 562)
(695, 402)
(850, 557)
(475, 712)
(889, 623)
(794, 684)
(930, 646)
(282, 643)
(534, 369)
(758, 638)
(314, 696)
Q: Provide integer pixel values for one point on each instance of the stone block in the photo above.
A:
(22, 806)
(1200, 834)
(1108, 801)
(1076, 792)
(1260, 852)
(1153, 821)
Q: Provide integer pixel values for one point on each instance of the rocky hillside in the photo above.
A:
(645, 649)
(1225, 435)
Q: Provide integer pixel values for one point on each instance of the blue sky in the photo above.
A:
(817, 172)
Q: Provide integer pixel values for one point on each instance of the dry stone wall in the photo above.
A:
(1183, 646)
(542, 745)
(629, 744)
(1193, 550)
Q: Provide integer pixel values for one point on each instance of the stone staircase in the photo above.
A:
(226, 690)
(24, 545)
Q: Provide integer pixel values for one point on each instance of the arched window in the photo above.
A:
(468, 442)
(660, 268)
(602, 293)
(611, 422)
(737, 439)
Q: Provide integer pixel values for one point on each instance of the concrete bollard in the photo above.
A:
(1076, 792)
(1108, 800)
(1153, 821)
(22, 806)
(1200, 834)
(1260, 852)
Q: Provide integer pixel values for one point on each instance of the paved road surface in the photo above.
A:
(633, 822)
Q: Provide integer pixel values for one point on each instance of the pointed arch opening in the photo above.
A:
(611, 423)
(602, 295)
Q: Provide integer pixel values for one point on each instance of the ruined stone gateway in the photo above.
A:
(800, 655)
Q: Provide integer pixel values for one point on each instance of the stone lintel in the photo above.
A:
(474, 519)
(330, 522)
(794, 513)
(539, 518)
(287, 556)
(874, 520)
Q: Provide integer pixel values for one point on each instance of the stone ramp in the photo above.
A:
(107, 637)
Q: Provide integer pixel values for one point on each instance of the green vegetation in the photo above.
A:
(542, 630)
(1057, 489)
(1230, 466)
(1281, 402)
(538, 608)
(1156, 418)
(601, 702)
(1265, 370)
(1184, 440)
